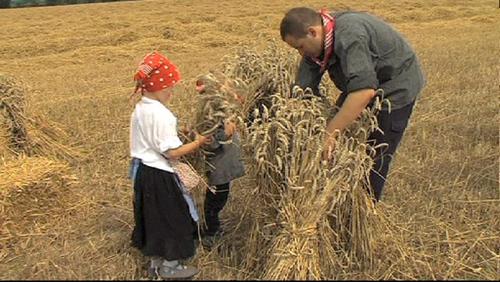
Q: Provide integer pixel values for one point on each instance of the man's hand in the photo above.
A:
(328, 147)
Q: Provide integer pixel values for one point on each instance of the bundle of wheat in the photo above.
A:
(12, 107)
(30, 135)
(315, 219)
(215, 106)
(323, 211)
(5, 150)
(260, 74)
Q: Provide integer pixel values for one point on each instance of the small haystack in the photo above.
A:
(20, 175)
(32, 136)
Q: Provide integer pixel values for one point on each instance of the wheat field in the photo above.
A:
(76, 63)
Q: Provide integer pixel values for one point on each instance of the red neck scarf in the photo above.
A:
(328, 32)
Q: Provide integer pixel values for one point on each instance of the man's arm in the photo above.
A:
(351, 109)
(358, 64)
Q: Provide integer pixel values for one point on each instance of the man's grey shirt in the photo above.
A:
(368, 53)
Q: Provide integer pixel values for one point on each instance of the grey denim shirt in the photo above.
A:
(368, 53)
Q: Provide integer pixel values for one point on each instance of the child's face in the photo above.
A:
(200, 87)
(166, 94)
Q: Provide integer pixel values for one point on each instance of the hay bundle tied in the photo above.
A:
(32, 136)
(217, 104)
(12, 108)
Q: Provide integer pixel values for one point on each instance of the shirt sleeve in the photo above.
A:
(356, 60)
(164, 133)
(308, 75)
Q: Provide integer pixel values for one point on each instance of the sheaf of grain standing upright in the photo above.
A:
(318, 216)
(27, 134)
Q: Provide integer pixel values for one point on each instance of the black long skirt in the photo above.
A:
(163, 224)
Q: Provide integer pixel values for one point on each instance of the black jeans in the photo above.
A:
(213, 204)
(393, 125)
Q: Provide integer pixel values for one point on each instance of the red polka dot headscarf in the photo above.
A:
(155, 73)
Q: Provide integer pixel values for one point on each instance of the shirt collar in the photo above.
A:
(147, 100)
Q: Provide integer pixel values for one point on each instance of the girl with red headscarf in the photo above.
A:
(164, 226)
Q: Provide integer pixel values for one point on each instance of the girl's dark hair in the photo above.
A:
(297, 20)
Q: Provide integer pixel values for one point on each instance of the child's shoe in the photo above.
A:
(177, 272)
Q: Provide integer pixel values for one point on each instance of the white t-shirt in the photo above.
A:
(153, 130)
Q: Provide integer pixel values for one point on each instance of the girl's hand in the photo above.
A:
(186, 130)
(203, 140)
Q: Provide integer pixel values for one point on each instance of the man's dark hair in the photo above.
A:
(297, 20)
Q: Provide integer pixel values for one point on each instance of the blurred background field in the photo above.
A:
(68, 214)
(39, 3)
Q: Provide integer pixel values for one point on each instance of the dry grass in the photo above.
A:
(442, 198)
(31, 197)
